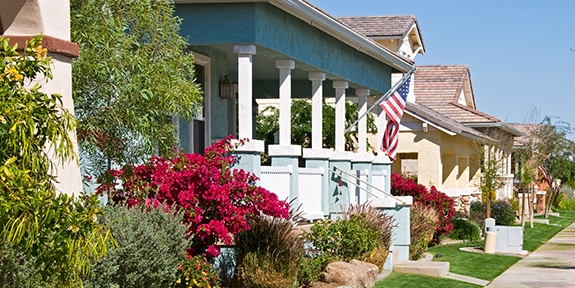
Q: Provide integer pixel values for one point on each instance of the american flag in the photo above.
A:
(544, 173)
(393, 107)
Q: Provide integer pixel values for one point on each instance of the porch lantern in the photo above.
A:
(226, 88)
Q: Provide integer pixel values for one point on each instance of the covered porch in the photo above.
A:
(282, 49)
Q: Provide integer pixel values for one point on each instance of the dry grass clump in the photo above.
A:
(269, 254)
(423, 221)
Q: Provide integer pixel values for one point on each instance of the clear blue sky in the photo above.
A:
(518, 51)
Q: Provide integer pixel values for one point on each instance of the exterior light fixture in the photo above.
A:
(226, 88)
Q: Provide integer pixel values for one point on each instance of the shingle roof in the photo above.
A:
(439, 88)
(464, 114)
(439, 84)
(526, 130)
(440, 120)
(377, 26)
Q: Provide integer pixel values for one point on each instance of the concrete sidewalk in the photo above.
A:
(551, 265)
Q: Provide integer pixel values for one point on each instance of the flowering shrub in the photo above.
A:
(407, 186)
(196, 272)
(217, 200)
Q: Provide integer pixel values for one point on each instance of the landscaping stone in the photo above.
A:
(356, 274)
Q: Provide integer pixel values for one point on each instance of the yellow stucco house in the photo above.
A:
(442, 135)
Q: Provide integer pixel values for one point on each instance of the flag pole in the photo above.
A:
(384, 97)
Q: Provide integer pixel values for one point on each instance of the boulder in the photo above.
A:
(356, 274)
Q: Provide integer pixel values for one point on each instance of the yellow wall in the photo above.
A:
(444, 161)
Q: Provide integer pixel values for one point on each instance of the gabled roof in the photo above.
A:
(385, 27)
(439, 88)
(378, 26)
(440, 84)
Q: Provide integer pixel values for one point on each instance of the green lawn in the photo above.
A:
(482, 266)
(478, 265)
(416, 281)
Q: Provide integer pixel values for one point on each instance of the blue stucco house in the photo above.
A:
(285, 49)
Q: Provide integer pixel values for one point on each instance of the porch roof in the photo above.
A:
(290, 29)
(441, 122)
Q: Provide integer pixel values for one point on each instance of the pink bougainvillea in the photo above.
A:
(217, 200)
(407, 186)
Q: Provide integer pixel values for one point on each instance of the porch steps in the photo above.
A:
(427, 268)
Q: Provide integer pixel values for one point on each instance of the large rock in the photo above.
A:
(356, 274)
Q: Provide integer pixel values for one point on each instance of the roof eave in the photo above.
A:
(501, 125)
(341, 32)
(438, 127)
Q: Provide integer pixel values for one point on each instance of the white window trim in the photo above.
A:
(205, 61)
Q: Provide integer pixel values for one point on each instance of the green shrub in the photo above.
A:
(501, 211)
(423, 220)
(269, 253)
(565, 203)
(464, 229)
(16, 270)
(311, 267)
(151, 244)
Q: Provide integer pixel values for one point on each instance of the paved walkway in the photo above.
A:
(551, 265)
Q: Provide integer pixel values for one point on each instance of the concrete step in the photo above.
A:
(427, 268)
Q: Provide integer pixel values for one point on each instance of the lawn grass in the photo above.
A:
(482, 266)
(541, 233)
(409, 280)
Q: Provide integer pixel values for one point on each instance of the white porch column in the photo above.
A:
(317, 79)
(245, 77)
(285, 67)
(362, 124)
(340, 87)
(381, 123)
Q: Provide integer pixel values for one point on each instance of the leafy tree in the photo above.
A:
(547, 146)
(133, 73)
(301, 114)
(492, 154)
(59, 233)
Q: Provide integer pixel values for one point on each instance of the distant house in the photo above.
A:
(443, 133)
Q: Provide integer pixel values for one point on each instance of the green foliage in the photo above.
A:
(311, 267)
(501, 211)
(268, 124)
(16, 271)
(56, 231)
(564, 203)
(151, 244)
(269, 253)
(464, 229)
(363, 234)
(132, 74)
(422, 227)
(196, 272)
